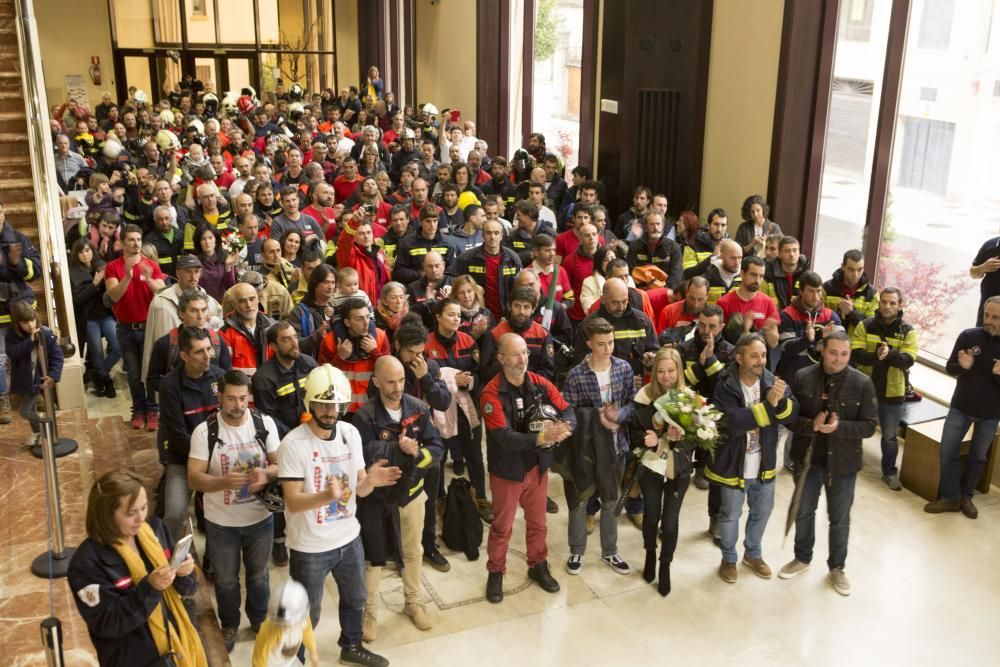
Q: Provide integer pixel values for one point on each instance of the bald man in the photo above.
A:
(431, 287)
(245, 330)
(525, 416)
(558, 323)
(723, 273)
(396, 427)
(635, 339)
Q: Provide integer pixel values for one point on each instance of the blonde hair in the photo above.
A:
(666, 354)
(460, 282)
(346, 272)
(150, 252)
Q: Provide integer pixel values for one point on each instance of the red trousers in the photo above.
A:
(530, 494)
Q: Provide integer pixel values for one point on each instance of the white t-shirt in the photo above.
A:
(604, 382)
(237, 450)
(751, 463)
(312, 460)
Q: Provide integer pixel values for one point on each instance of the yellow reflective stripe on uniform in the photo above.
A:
(285, 390)
(510, 271)
(629, 333)
(31, 270)
(426, 459)
(689, 373)
(714, 368)
(166, 260)
(477, 269)
(768, 474)
(760, 414)
(415, 489)
(418, 251)
(4, 319)
(728, 481)
(715, 293)
(786, 411)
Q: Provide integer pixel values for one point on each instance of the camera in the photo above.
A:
(369, 209)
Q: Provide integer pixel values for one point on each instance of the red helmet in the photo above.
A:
(246, 105)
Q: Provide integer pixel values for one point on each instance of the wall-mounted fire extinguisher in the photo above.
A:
(95, 70)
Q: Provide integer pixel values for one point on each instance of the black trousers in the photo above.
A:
(662, 499)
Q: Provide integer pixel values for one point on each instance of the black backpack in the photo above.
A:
(463, 529)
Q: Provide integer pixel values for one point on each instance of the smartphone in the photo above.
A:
(181, 550)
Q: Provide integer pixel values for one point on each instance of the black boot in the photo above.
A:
(649, 570)
(663, 585)
(109, 387)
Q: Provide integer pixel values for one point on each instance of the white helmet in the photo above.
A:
(197, 125)
(166, 118)
(430, 109)
(326, 384)
(140, 97)
(167, 140)
(112, 148)
(290, 606)
(407, 133)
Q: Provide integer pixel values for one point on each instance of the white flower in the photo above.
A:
(704, 434)
(684, 407)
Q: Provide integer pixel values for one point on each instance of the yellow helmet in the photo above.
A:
(326, 384)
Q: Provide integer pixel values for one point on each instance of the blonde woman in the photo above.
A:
(476, 318)
(662, 495)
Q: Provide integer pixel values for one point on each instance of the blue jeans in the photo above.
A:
(889, 415)
(957, 483)
(760, 498)
(131, 341)
(226, 543)
(96, 331)
(3, 358)
(347, 565)
(176, 497)
(839, 498)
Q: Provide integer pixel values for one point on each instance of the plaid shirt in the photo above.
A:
(582, 390)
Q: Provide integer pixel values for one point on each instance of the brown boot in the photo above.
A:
(5, 409)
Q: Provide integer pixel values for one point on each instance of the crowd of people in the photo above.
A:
(317, 299)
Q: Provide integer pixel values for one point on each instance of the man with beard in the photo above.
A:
(420, 199)
(292, 218)
(243, 176)
(521, 307)
(399, 226)
(837, 411)
(674, 321)
(804, 323)
(699, 250)
(470, 234)
(528, 225)
(781, 278)
(166, 239)
(311, 317)
(756, 309)
(321, 208)
(884, 347)
(525, 417)
(354, 345)
(322, 470)
(500, 185)
(754, 403)
(629, 225)
(657, 250)
(723, 273)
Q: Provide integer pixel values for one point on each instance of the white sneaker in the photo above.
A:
(840, 582)
(574, 564)
(617, 563)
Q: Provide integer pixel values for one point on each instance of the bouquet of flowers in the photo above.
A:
(233, 243)
(692, 414)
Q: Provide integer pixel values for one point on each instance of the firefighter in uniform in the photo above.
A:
(541, 350)
(849, 293)
(413, 248)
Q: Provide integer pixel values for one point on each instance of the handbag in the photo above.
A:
(168, 659)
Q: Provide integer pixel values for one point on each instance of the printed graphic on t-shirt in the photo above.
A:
(326, 470)
(242, 458)
(753, 437)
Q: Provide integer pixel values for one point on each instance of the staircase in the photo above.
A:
(16, 190)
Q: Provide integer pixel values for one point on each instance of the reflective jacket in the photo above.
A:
(634, 336)
(864, 297)
(14, 279)
(248, 350)
(473, 263)
(278, 391)
(775, 283)
(696, 254)
(703, 377)
(889, 374)
(796, 350)
(738, 419)
(358, 371)
(541, 350)
(185, 402)
(666, 255)
(412, 250)
(717, 287)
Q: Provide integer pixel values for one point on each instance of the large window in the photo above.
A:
(227, 44)
(941, 199)
(556, 76)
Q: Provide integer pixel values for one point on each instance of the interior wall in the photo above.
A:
(346, 19)
(65, 53)
(742, 80)
(446, 40)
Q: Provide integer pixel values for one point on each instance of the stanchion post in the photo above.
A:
(52, 641)
(60, 446)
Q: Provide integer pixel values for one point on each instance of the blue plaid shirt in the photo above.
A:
(582, 390)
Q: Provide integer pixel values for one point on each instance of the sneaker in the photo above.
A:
(840, 582)
(229, 638)
(617, 563)
(152, 421)
(436, 560)
(35, 438)
(591, 523)
(418, 614)
(636, 519)
(759, 567)
(574, 564)
(939, 506)
(369, 625)
(699, 480)
(138, 421)
(892, 481)
(279, 554)
(793, 568)
(494, 587)
(550, 506)
(727, 572)
(359, 655)
(968, 508)
(540, 575)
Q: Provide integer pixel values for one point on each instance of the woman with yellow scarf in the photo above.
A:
(124, 586)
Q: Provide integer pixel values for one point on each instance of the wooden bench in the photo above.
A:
(921, 469)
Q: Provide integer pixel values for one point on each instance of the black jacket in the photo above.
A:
(14, 279)
(184, 403)
(511, 448)
(977, 392)
(118, 621)
(642, 421)
(473, 263)
(588, 462)
(412, 250)
(666, 255)
(88, 298)
(430, 388)
(167, 251)
(634, 336)
(703, 377)
(851, 395)
(278, 391)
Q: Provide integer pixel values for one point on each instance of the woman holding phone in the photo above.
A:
(124, 585)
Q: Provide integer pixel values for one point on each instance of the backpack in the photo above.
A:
(462, 529)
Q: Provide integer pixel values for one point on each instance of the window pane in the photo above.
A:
(201, 21)
(557, 75)
(935, 24)
(204, 71)
(850, 140)
(235, 21)
(137, 74)
(146, 23)
(239, 73)
(942, 193)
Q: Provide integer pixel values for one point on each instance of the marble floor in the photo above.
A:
(924, 586)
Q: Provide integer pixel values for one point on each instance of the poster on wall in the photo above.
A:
(75, 89)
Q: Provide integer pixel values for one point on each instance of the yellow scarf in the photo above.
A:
(183, 637)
